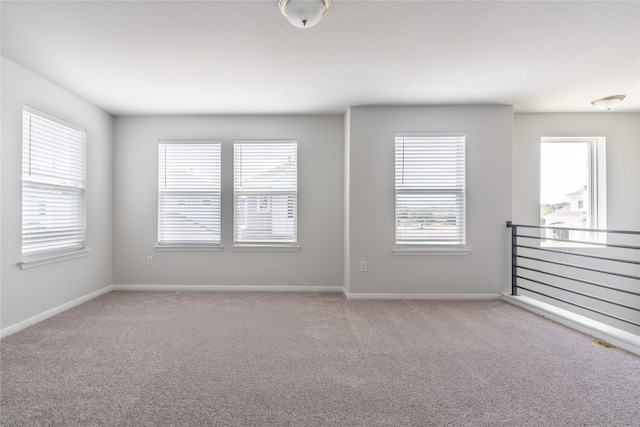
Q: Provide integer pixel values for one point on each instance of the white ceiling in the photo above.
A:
(188, 57)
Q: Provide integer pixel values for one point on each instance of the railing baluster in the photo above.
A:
(631, 298)
(514, 258)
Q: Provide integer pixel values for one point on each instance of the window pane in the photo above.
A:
(434, 218)
(189, 217)
(52, 218)
(265, 217)
(565, 187)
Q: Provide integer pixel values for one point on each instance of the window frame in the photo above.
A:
(264, 245)
(72, 157)
(596, 183)
(427, 246)
(178, 245)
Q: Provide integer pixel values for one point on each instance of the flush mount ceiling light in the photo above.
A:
(304, 13)
(608, 102)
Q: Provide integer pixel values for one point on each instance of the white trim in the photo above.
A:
(53, 119)
(188, 248)
(265, 248)
(460, 297)
(288, 189)
(189, 141)
(265, 141)
(213, 191)
(409, 162)
(610, 334)
(12, 329)
(38, 260)
(54, 155)
(597, 176)
(431, 251)
(227, 288)
(431, 134)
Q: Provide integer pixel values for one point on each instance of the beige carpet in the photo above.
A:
(282, 359)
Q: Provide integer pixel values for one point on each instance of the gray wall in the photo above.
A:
(320, 203)
(371, 201)
(26, 293)
(622, 133)
(346, 197)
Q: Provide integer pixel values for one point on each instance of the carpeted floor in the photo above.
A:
(282, 359)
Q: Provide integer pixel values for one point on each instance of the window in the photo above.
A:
(572, 187)
(53, 185)
(265, 192)
(188, 193)
(430, 189)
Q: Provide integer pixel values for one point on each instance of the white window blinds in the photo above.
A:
(265, 191)
(430, 189)
(53, 184)
(189, 193)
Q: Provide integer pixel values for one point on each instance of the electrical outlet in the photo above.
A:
(363, 266)
(149, 260)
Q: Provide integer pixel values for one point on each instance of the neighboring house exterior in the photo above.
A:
(579, 200)
(573, 215)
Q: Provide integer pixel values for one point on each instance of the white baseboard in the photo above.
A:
(345, 292)
(350, 295)
(227, 288)
(599, 330)
(12, 329)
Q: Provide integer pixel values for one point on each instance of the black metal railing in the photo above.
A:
(599, 274)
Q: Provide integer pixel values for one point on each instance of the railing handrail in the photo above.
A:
(591, 230)
(579, 242)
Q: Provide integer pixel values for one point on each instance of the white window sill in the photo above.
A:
(44, 259)
(265, 248)
(462, 251)
(188, 248)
